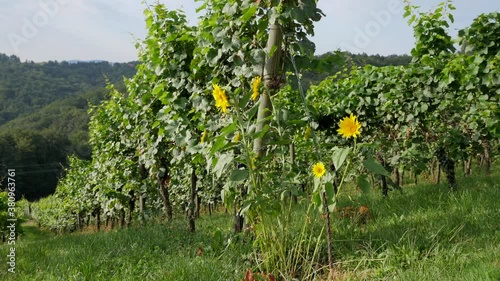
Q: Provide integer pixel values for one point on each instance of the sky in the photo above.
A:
(43, 30)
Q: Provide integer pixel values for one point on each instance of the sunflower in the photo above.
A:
(255, 87)
(319, 169)
(220, 97)
(349, 127)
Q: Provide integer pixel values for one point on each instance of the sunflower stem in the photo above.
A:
(328, 233)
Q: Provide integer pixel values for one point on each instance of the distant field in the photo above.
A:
(424, 234)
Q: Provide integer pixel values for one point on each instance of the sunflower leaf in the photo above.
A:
(339, 155)
(363, 183)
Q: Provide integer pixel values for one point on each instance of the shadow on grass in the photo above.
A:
(31, 232)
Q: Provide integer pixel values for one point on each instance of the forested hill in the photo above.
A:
(332, 62)
(27, 86)
(44, 119)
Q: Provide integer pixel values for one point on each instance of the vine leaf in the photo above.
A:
(222, 161)
(375, 167)
(238, 175)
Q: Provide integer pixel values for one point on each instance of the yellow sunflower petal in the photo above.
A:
(349, 127)
(255, 87)
(220, 97)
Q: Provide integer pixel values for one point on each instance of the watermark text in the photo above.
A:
(11, 219)
(363, 36)
(31, 25)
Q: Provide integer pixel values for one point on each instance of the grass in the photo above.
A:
(426, 233)
(157, 252)
(31, 232)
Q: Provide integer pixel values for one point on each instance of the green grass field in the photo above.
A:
(426, 233)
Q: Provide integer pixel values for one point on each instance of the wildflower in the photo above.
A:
(203, 136)
(255, 87)
(307, 133)
(319, 169)
(220, 97)
(349, 127)
(236, 138)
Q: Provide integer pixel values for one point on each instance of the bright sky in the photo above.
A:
(42, 30)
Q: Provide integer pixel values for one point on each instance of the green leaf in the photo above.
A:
(222, 161)
(339, 156)
(246, 207)
(252, 111)
(238, 175)
(243, 102)
(229, 129)
(145, 98)
(330, 196)
(158, 88)
(219, 143)
(249, 13)
(202, 7)
(316, 198)
(363, 183)
(316, 184)
(273, 49)
(375, 167)
(261, 133)
(330, 191)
